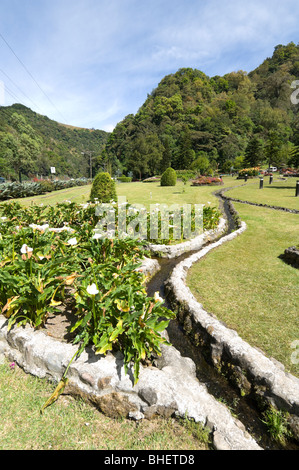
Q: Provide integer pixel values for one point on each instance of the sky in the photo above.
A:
(90, 63)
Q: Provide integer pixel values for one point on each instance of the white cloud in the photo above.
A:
(97, 60)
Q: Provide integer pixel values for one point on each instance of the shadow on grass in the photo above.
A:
(280, 187)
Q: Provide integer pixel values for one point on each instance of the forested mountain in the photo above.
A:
(31, 143)
(192, 120)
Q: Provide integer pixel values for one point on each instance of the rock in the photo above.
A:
(293, 422)
(115, 405)
(291, 256)
(169, 389)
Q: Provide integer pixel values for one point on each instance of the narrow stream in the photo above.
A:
(243, 408)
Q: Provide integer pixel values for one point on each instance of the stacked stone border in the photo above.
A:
(267, 206)
(169, 387)
(173, 251)
(249, 369)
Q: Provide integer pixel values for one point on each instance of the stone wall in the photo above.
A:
(256, 375)
(173, 251)
(168, 388)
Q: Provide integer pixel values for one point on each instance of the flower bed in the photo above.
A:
(290, 172)
(207, 181)
(50, 256)
(250, 172)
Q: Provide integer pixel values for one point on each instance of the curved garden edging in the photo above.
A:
(267, 206)
(172, 251)
(252, 372)
(168, 388)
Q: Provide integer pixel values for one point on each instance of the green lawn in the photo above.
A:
(279, 193)
(152, 193)
(243, 282)
(139, 193)
(246, 285)
(79, 194)
(70, 424)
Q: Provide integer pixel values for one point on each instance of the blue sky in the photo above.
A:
(89, 63)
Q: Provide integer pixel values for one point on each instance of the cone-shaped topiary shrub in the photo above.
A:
(103, 188)
(169, 177)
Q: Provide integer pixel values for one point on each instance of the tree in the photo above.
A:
(153, 153)
(166, 155)
(201, 164)
(254, 152)
(294, 157)
(185, 154)
(136, 161)
(273, 149)
(21, 147)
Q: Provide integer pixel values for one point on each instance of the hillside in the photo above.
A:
(192, 120)
(31, 143)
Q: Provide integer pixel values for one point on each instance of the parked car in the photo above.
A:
(2, 180)
(271, 169)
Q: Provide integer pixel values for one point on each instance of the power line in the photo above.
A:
(23, 93)
(29, 73)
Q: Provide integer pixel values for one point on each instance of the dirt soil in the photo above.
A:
(57, 326)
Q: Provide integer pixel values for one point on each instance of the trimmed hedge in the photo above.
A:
(169, 177)
(124, 179)
(103, 188)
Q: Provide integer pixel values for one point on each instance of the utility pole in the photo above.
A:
(89, 153)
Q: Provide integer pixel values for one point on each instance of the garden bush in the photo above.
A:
(189, 174)
(50, 255)
(207, 180)
(169, 177)
(250, 172)
(125, 179)
(20, 190)
(103, 188)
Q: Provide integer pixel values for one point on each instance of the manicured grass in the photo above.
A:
(152, 193)
(139, 193)
(246, 285)
(73, 425)
(279, 193)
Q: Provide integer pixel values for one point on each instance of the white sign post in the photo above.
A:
(53, 170)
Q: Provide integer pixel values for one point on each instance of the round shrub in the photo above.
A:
(103, 188)
(169, 177)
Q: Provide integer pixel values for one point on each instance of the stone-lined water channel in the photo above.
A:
(180, 382)
(244, 408)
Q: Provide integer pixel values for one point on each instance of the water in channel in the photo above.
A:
(217, 385)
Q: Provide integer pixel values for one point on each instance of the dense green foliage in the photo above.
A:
(169, 177)
(193, 121)
(103, 188)
(189, 122)
(50, 256)
(30, 144)
(19, 190)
